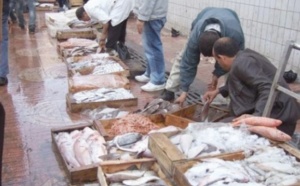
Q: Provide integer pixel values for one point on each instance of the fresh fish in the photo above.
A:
(140, 181)
(195, 151)
(110, 156)
(81, 150)
(124, 175)
(124, 139)
(186, 142)
(277, 166)
(96, 150)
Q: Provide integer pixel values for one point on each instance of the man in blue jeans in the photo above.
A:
(4, 44)
(151, 19)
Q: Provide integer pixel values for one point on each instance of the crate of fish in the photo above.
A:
(137, 172)
(140, 123)
(77, 42)
(86, 33)
(90, 82)
(78, 148)
(201, 140)
(97, 64)
(262, 166)
(95, 98)
(194, 112)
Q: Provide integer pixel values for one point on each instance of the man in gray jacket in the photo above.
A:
(151, 17)
(250, 77)
(209, 25)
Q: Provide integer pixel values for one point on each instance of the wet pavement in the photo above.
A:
(35, 102)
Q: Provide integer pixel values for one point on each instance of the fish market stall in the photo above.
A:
(77, 42)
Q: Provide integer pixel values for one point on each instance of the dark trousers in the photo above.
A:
(115, 34)
(2, 125)
(61, 3)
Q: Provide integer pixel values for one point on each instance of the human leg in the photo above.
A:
(4, 51)
(154, 50)
(32, 16)
(115, 34)
(19, 12)
(2, 127)
(12, 15)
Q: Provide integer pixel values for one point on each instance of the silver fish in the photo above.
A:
(124, 139)
(140, 181)
(124, 175)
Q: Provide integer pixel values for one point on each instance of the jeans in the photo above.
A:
(4, 47)
(32, 13)
(18, 5)
(154, 51)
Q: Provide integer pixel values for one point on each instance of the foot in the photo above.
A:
(31, 29)
(22, 26)
(168, 95)
(150, 87)
(3, 81)
(142, 78)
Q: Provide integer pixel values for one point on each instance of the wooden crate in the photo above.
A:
(189, 112)
(80, 174)
(87, 33)
(76, 2)
(105, 125)
(125, 72)
(90, 82)
(180, 167)
(120, 166)
(77, 107)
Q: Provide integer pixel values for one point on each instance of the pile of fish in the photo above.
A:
(269, 166)
(197, 140)
(132, 123)
(102, 95)
(159, 106)
(96, 66)
(134, 178)
(90, 57)
(77, 42)
(104, 113)
(81, 24)
(80, 50)
(81, 147)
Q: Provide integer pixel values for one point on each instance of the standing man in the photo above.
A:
(4, 44)
(250, 77)
(151, 17)
(210, 24)
(113, 14)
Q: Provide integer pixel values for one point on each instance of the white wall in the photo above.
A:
(267, 24)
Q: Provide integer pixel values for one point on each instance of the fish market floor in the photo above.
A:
(35, 102)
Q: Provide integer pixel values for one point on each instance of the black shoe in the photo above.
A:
(22, 26)
(174, 32)
(31, 29)
(3, 81)
(168, 95)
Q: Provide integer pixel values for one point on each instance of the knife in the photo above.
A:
(204, 112)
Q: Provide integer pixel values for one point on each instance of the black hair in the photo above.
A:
(79, 12)
(226, 46)
(206, 42)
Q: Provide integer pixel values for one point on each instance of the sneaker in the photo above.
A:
(168, 95)
(150, 87)
(3, 81)
(142, 78)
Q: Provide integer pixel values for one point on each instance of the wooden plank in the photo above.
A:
(164, 151)
(121, 166)
(87, 33)
(77, 107)
(80, 174)
(290, 149)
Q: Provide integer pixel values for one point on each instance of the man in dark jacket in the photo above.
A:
(4, 44)
(250, 77)
(209, 25)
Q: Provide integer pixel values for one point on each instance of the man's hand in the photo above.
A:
(210, 95)
(180, 100)
(140, 26)
(213, 84)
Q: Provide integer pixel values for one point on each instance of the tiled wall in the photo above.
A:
(267, 24)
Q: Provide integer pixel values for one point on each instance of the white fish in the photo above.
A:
(186, 142)
(65, 145)
(97, 149)
(195, 151)
(124, 175)
(81, 150)
(75, 134)
(175, 139)
(281, 167)
(140, 181)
